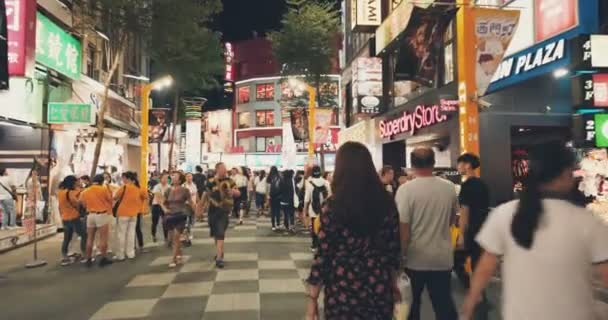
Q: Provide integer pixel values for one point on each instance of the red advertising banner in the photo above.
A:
(21, 25)
(552, 17)
(600, 90)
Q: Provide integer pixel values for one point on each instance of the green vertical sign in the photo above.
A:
(601, 130)
(57, 49)
(69, 113)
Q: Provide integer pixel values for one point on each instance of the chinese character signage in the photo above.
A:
(494, 30)
(57, 49)
(70, 113)
(229, 57)
(552, 17)
(21, 27)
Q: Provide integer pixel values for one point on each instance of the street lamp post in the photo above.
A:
(145, 108)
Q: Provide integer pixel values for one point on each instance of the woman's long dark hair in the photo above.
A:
(547, 162)
(68, 183)
(359, 200)
(274, 172)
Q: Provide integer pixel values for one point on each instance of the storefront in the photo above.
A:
(431, 120)
(533, 94)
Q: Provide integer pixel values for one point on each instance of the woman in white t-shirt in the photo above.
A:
(261, 190)
(549, 247)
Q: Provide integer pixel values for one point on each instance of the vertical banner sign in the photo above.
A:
(289, 148)
(229, 57)
(193, 142)
(21, 30)
(158, 124)
(467, 91)
(3, 48)
(322, 123)
(494, 30)
(57, 49)
(552, 17)
(367, 85)
(420, 52)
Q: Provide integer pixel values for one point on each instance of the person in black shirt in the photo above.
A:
(474, 199)
(199, 180)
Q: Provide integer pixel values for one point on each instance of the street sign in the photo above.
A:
(70, 113)
(57, 49)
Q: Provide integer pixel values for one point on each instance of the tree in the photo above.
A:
(120, 21)
(184, 47)
(306, 44)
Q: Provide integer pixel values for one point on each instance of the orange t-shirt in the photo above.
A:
(97, 198)
(132, 200)
(68, 207)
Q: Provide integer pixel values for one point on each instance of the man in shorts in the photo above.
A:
(220, 194)
(97, 200)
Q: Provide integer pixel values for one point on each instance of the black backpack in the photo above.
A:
(319, 194)
(275, 186)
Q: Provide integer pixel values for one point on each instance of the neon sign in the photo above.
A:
(422, 117)
(229, 56)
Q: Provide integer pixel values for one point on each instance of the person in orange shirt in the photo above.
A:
(97, 200)
(129, 202)
(68, 194)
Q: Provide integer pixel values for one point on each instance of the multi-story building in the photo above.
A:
(56, 76)
(265, 101)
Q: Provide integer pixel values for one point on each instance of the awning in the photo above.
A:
(121, 112)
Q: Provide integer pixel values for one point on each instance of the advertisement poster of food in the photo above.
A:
(494, 30)
(420, 52)
(367, 85)
(593, 179)
(218, 130)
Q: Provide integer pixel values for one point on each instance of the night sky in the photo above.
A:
(241, 18)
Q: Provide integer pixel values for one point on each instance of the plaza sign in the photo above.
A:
(422, 117)
(57, 49)
(532, 62)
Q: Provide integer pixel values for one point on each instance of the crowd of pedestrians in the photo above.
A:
(370, 228)
(548, 247)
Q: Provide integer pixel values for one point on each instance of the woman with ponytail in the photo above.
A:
(549, 246)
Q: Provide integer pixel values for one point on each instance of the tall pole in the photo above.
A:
(145, 108)
(467, 85)
(312, 104)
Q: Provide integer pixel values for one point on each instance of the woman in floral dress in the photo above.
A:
(359, 250)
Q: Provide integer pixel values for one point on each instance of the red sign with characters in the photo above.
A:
(552, 17)
(21, 27)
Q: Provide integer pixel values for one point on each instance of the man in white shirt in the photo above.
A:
(426, 207)
(7, 200)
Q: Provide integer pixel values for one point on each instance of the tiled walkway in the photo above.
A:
(262, 280)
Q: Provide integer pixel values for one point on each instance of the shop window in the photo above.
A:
(264, 92)
(264, 118)
(244, 120)
(263, 144)
(91, 61)
(448, 55)
(243, 94)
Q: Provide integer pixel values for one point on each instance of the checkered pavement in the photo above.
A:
(263, 279)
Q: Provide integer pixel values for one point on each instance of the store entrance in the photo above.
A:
(393, 154)
(522, 139)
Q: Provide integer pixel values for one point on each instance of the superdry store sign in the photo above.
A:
(410, 122)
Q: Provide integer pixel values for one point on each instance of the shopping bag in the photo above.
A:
(40, 210)
(402, 308)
